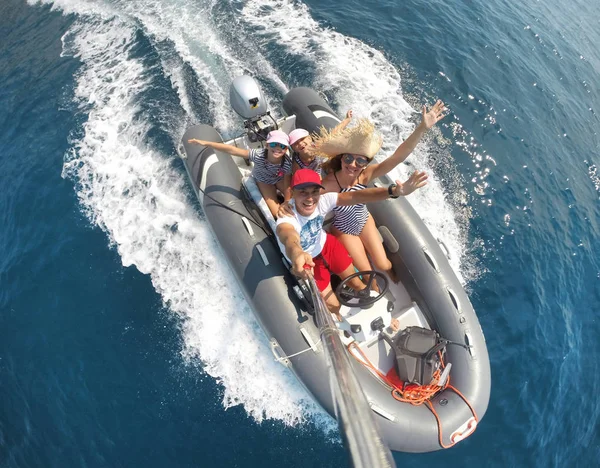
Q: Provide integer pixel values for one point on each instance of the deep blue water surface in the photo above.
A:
(122, 342)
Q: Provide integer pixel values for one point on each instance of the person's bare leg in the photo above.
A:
(355, 283)
(280, 186)
(355, 248)
(269, 193)
(372, 244)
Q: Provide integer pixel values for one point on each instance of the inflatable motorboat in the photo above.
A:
(428, 297)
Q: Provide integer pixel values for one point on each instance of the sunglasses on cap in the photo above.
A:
(360, 161)
(277, 145)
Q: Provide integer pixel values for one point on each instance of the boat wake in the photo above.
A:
(148, 69)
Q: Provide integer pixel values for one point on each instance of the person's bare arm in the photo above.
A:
(295, 167)
(429, 119)
(344, 123)
(290, 238)
(414, 182)
(287, 190)
(230, 149)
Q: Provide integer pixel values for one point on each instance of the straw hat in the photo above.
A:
(360, 139)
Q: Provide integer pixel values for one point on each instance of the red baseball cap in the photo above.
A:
(305, 178)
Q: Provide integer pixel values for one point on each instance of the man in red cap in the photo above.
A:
(301, 236)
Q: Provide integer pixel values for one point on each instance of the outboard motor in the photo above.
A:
(249, 103)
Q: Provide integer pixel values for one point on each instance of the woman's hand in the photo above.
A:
(434, 115)
(285, 210)
(198, 142)
(416, 180)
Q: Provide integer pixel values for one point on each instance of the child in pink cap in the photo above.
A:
(272, 168)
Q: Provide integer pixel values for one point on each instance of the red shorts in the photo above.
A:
(335, 256)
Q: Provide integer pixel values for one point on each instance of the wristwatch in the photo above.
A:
(391, 188)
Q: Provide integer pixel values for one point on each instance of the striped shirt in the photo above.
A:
(266, 172)
(350, 219)
(315, 164)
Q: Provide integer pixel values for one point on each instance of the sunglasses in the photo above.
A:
(360, 161)
(277, 145)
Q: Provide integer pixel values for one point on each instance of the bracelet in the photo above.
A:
(391, 188)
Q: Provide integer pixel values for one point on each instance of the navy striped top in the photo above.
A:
(266, 172)
(315, 164)
(350, 219)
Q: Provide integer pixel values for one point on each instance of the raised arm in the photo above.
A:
(344, 123)
(415, 181)
(429, 119)
(290, 238)
(232, 150)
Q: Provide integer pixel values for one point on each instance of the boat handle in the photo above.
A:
(431, 260)
(277, 353)
(468, 342)
(461, 433)
(262, 254)
(445, 248)
(248, 226)
(181, 151)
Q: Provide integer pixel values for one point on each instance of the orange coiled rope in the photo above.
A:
(413, 394)
(417, 394)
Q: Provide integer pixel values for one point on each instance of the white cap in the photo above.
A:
(296, 135)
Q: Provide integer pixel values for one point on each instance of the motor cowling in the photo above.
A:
(248, 101)
(246, 97)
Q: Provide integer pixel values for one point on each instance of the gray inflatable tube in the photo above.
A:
(256, 262)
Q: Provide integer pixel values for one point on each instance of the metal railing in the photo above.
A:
(354, 415)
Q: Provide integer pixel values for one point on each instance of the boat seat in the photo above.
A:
(254, 192)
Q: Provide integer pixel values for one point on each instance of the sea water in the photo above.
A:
(124, 339)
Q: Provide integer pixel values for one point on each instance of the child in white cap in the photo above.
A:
(302, 143)
(272, 168)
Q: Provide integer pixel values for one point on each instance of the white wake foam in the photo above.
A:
(132, 192)
(140, 201)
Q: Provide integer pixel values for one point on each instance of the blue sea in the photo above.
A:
(124, 340)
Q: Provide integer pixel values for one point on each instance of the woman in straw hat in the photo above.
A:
(350, 152)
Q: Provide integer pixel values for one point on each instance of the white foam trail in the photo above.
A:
(188, 26)
(131, 192)
(361, 78)
(134, 195)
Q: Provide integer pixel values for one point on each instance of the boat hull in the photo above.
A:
(424, 270)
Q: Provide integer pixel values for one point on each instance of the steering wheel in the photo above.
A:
(346, 294)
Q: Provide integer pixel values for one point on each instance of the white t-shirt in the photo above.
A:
(310, 228)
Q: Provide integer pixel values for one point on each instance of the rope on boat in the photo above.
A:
(282, 359)
(420, 394)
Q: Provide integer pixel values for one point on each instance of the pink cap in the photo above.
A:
(277, 136)
(297, 135)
